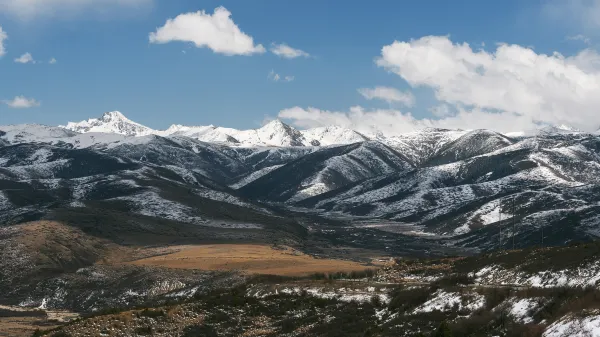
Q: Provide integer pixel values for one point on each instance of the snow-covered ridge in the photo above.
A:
(418, 144)
(111, 122)
(274, 133)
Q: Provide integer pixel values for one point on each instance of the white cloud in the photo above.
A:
(524, 86)
(393, 122)
(580, 37)
(27, 9)
(3, 37)
(25, 58)
(442, 110)
(389, 95)
(52, 61)
(217, 32)
(22, 102)
(283, 50)
(275, 77)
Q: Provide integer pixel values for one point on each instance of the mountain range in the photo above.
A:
(448, 189)
(75, 198)
(274, 133)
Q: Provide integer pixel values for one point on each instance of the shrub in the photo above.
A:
(144, 331)
(152, 313)
(454, 280)
(403, 300)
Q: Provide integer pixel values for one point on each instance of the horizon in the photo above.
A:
(505, 67)
(369, 133)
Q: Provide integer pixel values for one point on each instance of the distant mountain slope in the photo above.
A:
(325, 170)
(274, 133)
(333, 135)
(465, 187)
(421, 145)
(533, 186)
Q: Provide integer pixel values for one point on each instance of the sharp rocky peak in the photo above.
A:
(276, 124)
(113, 115)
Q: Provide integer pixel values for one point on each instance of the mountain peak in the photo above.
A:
(113, 115)
(277, 133)
(111, 122)
(275, 124)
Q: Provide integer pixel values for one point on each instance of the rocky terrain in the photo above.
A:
(80, 204)
(407, 297)
(473, 189)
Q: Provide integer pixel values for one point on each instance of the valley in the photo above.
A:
(132, 227)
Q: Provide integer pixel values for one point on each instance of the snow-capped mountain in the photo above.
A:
(31, 133)
(275, 133)
(333, 135)
(417, 145)
(111, 122)
(459, 184)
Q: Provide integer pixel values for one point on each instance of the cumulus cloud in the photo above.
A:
(392, 122)
(22, 102)
(283, 50)
(3, 37)
(512, 82)
(390, 95)
(27, 9)
(25, 58)
(217, 32)
(52, 61)
(275, 77)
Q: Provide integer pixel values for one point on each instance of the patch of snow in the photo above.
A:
(446, 301)
(522, 309)
(573, 326)
(333, 135)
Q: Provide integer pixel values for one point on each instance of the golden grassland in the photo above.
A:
(249, 258)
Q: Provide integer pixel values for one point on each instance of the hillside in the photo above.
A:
(416, 297)
(460, 189)
(94, 220)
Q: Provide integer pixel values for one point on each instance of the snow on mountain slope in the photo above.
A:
(111, 122)
(208, 134)
(469, 195)
(332, 135)
(469, 145)
(325, 170)
(33, 133)
(421, 145)
(441, 182)
(214, 161)
(275, 133)
(253, 176)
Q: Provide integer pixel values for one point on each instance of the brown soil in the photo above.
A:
(23, 326)
(254, 259)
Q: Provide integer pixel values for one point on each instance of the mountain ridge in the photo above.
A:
(279, 134)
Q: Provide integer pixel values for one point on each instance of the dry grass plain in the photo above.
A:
(249, 258)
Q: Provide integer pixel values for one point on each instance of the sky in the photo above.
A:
(388, 66)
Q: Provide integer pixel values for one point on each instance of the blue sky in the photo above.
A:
(106, 62)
